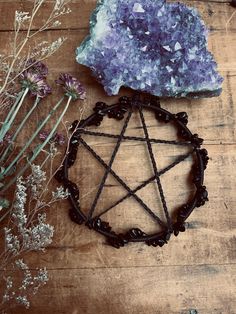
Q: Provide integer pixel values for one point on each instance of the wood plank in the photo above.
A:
(153, 290)
(215, 13)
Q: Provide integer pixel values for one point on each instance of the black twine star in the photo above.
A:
(118, 111)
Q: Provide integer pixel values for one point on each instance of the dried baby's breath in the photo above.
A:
(30, 283)
(21, 17)
(28, 231)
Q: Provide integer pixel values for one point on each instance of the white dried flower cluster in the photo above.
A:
(62, 12)
(54, 46)
(9, 284)
(56, 23)
(35, 181)
(26, 235)
(59, 10)
(21, 264)
(23, 300)
(30, 283)
(38, 237)
(12, 243)
(21, 17)
(46, 49)
(60, 194)
(60, 5)
(18, 214)
(53, 150)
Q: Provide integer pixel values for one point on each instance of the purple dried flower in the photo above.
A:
(43, 135)
(72, 86)
(58, 138)
(37, 67)
(36, 83)
(34, 78)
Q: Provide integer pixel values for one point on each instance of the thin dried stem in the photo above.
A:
(13, 61)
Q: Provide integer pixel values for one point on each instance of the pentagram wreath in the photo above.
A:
(123, 110)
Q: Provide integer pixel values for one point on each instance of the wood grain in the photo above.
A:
(152, 290)
(194, 271)
(215, 13)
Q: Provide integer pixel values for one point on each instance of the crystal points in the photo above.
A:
(150, 46)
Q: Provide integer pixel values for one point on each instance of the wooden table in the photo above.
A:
(194, 273)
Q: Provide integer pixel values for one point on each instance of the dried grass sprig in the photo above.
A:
(15, 63)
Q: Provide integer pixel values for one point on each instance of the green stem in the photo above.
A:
(11, 111)
(31, 139)
(39, 148)
(14, 106)
(10, 118)
(20, 127)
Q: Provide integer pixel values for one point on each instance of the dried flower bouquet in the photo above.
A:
(26, 171)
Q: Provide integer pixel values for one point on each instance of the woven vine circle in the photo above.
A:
(123, 110)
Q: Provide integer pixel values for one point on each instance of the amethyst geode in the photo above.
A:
(151, 46)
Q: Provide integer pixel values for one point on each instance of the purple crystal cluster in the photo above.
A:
(150, 46)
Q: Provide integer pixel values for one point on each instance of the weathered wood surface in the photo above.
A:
(195, 270)
(215, 13)
(157, 290)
